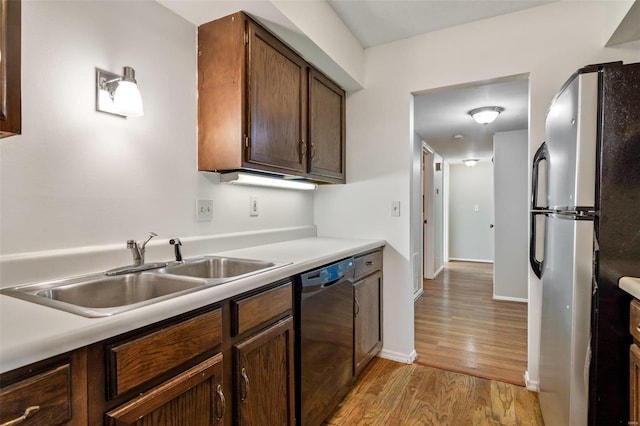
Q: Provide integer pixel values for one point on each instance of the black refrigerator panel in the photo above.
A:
(617, 248)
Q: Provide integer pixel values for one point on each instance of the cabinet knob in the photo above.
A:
(245, 379)
(313, 150)
(357, 307)
(638, 328)
(29, 411)
(223, 403)
(303, 149)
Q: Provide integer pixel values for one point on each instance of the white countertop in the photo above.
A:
(631, 285)
(30, 332)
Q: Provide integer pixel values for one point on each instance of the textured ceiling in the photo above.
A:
(376, 22)
(443, 113)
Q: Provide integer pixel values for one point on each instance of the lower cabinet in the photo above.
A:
(367, 326)
(634, 370)
(194, 397)
(367, 309)
(263, 371)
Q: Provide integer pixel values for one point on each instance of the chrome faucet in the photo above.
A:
(176, 243)
(138, 249)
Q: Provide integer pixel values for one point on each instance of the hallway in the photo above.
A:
(459, 327)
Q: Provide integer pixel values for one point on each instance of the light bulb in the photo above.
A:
(127, 99)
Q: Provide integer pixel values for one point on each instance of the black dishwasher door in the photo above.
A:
(324, 301)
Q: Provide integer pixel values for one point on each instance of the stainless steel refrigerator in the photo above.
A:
(586, 203)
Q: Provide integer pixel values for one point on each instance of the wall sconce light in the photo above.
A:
(470, 162)
(118, 94)
(240, 178)
(486, 115)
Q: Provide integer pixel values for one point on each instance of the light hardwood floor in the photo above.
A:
(394, 394)
(459, 327)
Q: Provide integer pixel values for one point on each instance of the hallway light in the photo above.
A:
(470, 162)
(486, 115)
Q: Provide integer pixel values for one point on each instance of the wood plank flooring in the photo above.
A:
(394, 394)
(459, 327)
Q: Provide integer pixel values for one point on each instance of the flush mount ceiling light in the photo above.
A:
(470, 162)
(486, 115)
(239, 178)
(118, 94)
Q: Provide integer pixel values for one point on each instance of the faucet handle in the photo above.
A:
(131, 244)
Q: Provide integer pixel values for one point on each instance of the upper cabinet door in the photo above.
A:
(10, 86)
(326, 129)
(277, 99)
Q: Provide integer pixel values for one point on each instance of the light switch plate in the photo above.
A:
(395, 208)
(204, 210)
(253, 206)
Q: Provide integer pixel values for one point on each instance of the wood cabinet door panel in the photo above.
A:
(277, 103)
(634, 375)
(10, 80)
(192, 398)
(264, 377)
(47, 396)
(326, 127)
(367, 321)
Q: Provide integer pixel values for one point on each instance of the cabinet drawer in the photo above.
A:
(262, 307)
(368, 264)
(634, 320)
(136, 361)
(41, 399)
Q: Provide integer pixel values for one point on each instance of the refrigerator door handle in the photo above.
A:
(541, 154)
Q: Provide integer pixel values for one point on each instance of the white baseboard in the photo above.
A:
(418, 294)
(459, 259)
(398, 356)
(440, 269)
(531, 385)
(510, 299)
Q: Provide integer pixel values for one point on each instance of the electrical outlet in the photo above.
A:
(204, 210)
(395, 208)
(253, 206)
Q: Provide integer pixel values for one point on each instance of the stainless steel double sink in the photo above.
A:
(100, 295)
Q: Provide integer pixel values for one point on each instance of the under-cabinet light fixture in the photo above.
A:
(118, 94)
(486, 115)
(240, 178)
(470, 162)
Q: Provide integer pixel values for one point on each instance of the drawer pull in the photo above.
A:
(245, 379)
(29, 411)
(369, 262)
(357, 307)
(223, 403)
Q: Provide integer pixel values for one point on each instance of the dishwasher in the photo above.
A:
(324, 340)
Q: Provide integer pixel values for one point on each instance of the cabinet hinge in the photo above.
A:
(246, 38)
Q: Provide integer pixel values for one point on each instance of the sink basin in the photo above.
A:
(101, 295)
(213, 267)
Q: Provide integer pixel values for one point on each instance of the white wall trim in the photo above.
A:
(440, 269)
(398, 356)
(510, 299)
(458, 259)
(531, 385)
(417, 294)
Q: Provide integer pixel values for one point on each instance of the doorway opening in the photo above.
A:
(471, 312)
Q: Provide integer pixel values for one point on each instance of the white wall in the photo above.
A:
(550, 42)
(77, 177)
(510, 171)
(470, 237)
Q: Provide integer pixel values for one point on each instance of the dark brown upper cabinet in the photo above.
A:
(262, 107)
(10, 86)
(326, 129)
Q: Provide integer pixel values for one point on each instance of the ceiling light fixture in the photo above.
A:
(118, 95)
(240, 178)
(470, 162)
(486, 115)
